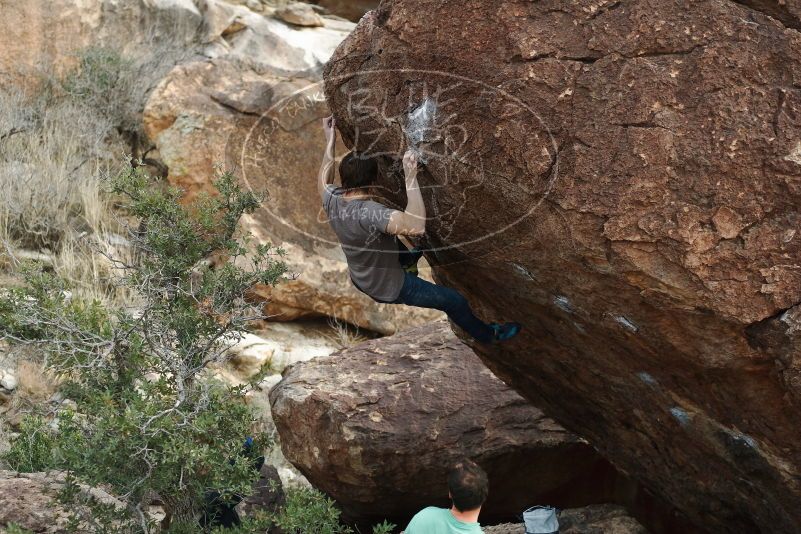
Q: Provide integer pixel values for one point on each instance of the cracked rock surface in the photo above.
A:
(623, 177)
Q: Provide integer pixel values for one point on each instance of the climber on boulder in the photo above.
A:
(379, 265)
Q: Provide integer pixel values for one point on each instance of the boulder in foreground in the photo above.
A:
(377, 427)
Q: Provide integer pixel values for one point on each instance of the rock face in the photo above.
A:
(599, 519)
(30, 501)
(235, 31)
(378, 425)
(279, 345)
(45, 35)
(300, 14)
(8, 382)
(624, 179)
(267, 497)
(255, 109)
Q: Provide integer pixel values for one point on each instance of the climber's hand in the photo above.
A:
(410, 165)
(326, 174)
(329, 128)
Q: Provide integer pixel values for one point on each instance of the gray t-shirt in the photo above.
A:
(372, 254)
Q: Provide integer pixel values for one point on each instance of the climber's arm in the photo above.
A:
(411, 221)
(326, 175)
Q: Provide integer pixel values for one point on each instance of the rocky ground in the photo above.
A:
(596, 519)
(30, 501)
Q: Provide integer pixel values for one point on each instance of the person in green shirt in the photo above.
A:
(468, 489)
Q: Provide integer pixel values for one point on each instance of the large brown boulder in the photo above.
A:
(377, 427)
(624, 179)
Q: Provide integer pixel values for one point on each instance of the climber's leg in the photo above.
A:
(423, 294)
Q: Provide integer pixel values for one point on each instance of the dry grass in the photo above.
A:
(34, 384)
(344, 335)
(35, 387)
(53, 207)
(50, 158)
(57, 145)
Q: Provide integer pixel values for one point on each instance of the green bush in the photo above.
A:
(32, 451)
(148, 418)
(384, 527)
(13, 528)
(307, 511)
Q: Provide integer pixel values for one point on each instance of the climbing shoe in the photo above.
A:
(505, 331)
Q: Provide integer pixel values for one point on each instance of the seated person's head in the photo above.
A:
(468, 486)
(357, 172)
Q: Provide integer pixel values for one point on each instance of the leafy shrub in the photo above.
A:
(32, 451)
(149, 419)
(384, 527)
(115, 86)
(13, 528)
(307, 511)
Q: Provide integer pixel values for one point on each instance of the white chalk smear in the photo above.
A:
(419, 122)
(680, 415)
(647, 378)
(626, 323)
(746, 439)
(563, 303)
(523, 271)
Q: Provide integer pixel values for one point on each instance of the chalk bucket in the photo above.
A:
(541, 520)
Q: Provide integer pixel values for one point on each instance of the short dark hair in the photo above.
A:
(356, 171)
(468, 485)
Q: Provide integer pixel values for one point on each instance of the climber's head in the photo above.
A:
(468, 486)
(357, 171)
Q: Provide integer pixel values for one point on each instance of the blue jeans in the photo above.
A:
(423, 294)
